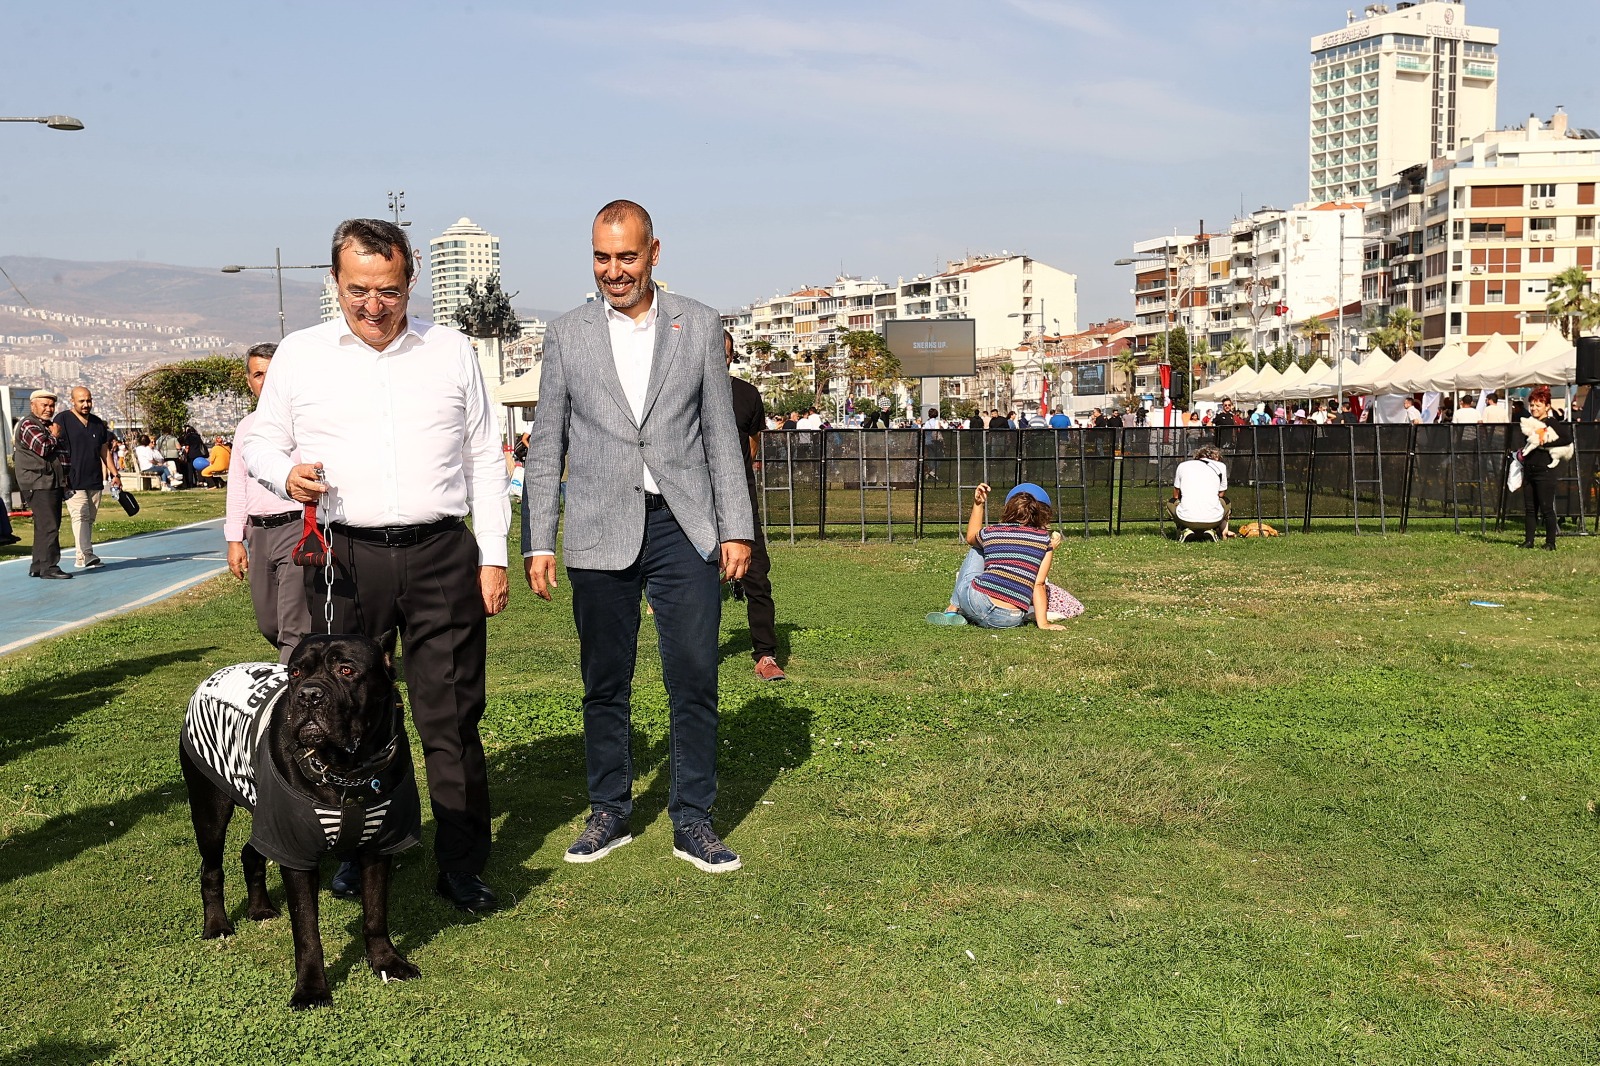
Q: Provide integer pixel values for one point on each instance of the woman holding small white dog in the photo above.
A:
(1546, 440)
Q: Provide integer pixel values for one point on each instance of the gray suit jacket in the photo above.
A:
(687, 437)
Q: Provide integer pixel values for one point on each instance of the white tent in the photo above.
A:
(1293, 378)
(1243, 378)
(1223, 389)
(1551, 361)
(519, 392)
(1327, 385)
(1302, 390)
(1434, 375)
(1397, 381)
(1264, 387)
(1372, 369)
(1486, 370)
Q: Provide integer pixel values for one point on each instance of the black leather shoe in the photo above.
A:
(1526, 544)
(346, 883)
(1548, 547)
(10, 538)
(467, 892)
(55, 573)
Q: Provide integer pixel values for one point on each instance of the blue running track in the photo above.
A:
(138, 570)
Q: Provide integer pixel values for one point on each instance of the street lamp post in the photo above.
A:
(55, 122)
(1168, 283)
(277, 268)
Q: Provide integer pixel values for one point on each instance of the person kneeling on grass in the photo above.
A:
(1199, 501)
(1001, 584)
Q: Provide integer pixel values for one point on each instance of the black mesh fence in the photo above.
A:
(873, 484)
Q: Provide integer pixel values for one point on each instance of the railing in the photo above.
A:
(873, 484)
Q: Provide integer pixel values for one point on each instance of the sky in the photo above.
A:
(775, 145)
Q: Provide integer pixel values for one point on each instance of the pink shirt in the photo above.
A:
(246, 496)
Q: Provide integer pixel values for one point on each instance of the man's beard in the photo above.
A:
(632, 296)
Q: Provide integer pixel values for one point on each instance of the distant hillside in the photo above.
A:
(241, 306)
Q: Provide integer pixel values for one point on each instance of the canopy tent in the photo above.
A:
(519, 392)
(1397, 382)
(1293, 378)
(1372, 369)
(1551, 361)
(1326, 386)
(1558, 365)
(1302, 389)
(1443, 362)
(1264, 387)
(1221, 390)
(1486, 369)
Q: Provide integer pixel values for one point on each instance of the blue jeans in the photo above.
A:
(685, 591)
(975, 605)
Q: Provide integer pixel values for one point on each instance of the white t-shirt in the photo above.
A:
(1198, 482)
(1465, 415)
(1413, 416)
(809, 422)
(148, 457)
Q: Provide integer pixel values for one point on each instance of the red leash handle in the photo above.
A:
(313, 548)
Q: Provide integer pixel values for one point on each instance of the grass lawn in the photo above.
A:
(1290, 800)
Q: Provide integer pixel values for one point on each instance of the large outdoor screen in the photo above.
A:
(934, 347)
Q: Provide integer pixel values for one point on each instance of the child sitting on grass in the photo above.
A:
(1001, 584)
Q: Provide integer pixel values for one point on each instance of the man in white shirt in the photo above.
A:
(811, 420)
(1412, 414)
(391, 417)
(1200, 493)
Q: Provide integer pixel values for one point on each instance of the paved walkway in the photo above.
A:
(139, 570)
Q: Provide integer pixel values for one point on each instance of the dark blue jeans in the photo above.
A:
(685, 591)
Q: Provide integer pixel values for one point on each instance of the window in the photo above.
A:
(1543, 224)
(1541, 190)
(1586, 226)
(1494, 296)
(1535, 291)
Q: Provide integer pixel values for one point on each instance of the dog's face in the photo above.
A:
(1536, 431)
(341, 693)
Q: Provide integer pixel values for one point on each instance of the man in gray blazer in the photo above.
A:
(634, 400)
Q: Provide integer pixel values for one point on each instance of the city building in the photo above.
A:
(1397, 88)
(1009, 297)
(1470, 241)
(464, 253)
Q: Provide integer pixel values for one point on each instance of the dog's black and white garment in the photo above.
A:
(223, 731)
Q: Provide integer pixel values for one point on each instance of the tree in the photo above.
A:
(162, 395)
(867, 360)
(1236, 354)
(1312, 330)
(488, 312)
(1126, 362)
(1572, 304)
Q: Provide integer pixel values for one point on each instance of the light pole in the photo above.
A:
(277, 268)
(1168, 283)
(55, 122)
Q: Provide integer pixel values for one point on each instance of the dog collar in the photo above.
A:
(360, 785)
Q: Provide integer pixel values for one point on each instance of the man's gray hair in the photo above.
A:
(373, 236)
(264, 350)
(1208, 451)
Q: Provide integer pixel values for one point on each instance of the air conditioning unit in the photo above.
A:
(1550, 201)
(1477, 270)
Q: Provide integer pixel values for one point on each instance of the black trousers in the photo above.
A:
(759, 608)
(46, 507)
(429, 593)
(1539, 498)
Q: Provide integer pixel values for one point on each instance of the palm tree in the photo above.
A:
(1127, 362)
(1236, 354)
(1311, 331)
(1405, 327)
(1571, 302)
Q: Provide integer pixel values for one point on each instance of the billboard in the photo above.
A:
(1088, 378)
(934, 347)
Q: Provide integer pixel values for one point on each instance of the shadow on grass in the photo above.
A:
(35, 714)
(738, 642)
(765, 736)
(66, 836)
(59, 1053)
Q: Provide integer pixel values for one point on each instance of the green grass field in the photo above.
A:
(1285, 801)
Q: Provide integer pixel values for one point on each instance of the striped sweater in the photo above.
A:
(1012, 556)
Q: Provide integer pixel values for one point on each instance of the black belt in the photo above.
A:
(272, 521)
(398, 536)
(654, 501)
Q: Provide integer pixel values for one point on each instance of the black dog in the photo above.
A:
(317, 751)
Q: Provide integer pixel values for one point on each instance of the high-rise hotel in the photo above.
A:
(463, 253)
(1395, 88)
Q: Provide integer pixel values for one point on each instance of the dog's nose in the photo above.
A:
(312, 695)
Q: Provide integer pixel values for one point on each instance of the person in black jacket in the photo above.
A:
(41, 456)
(1539, 469)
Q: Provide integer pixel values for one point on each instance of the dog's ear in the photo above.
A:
(386, 642)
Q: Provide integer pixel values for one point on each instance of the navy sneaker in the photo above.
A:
(346, 883)
(699, 844)
(605, 831)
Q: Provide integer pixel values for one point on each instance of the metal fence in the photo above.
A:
(875, 484)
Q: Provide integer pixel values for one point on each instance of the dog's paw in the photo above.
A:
(216, 927)
(394, 967)
(309, 999)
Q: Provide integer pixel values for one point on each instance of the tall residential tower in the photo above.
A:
(1396, 88)
(465, 252)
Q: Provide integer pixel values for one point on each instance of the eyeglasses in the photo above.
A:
(387, 297)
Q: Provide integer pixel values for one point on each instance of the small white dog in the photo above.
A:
(1538, 435)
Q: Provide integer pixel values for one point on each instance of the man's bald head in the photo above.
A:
(619, 212)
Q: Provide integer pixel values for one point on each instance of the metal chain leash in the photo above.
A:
(327, 578)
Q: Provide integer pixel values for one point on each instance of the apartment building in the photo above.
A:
(1471, 240)
(462, 254)
(1010, 298)
(1396, 88)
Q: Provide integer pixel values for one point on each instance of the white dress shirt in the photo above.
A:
(633, 349)
(406, 436)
